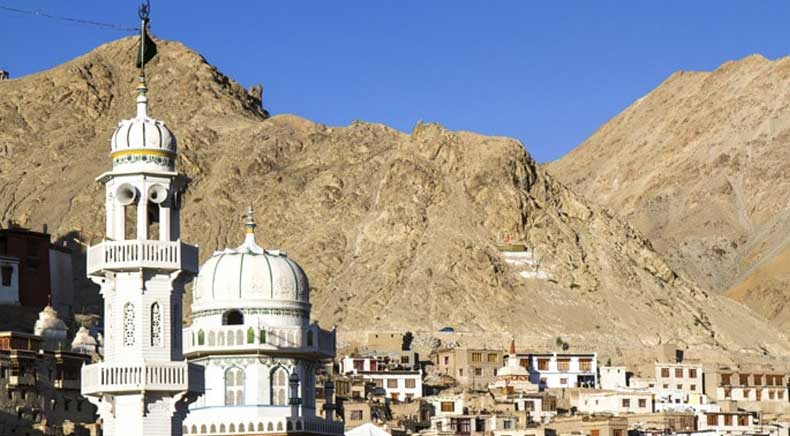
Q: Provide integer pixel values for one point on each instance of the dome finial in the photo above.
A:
(250, 225)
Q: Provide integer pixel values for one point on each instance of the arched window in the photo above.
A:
(234, 387)
(222, 428)
(309, 338)
(262, 338)
(221, 339)
(231, 339)
(203, 429)
(240, 337)
(280, 426)
(201, 337)
(270, 427)
(279, 387)
(213, 428)
(250, 335)
(156, 325)
(211, 338)
(232, 428)
(128, 324)
(260, 426)
(289, 426)
(241, 428)
(194, 429)
(184, 429)
(233, 317)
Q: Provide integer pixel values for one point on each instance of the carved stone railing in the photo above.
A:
(166, 376)
(135, 254)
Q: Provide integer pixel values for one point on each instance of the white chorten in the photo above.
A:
(251, 330)
(51, 329)
(513, 377)
(84, 343)
(144, 385)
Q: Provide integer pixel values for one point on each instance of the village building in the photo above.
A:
(679, 377)
(662, 422)
(470, 367)
(40, 385)
(757, 388)
(513, 377)
(251, 331)
(537, 409)
(34, 272)
(616, 402)
(561, 370)
(385, 341)
(589, 425)
(380, 361)
(613, 377)
(730, 423)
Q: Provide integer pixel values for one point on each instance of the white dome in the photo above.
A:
(250, 277)
(143, 142)
(49, 325)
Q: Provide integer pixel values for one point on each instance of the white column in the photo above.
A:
(142, 219)
(164, 221)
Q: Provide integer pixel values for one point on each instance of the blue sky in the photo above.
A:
(547, 73)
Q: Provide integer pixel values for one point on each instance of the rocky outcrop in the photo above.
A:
(396, 230)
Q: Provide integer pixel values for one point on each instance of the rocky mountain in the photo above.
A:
(699, 165)
(395, 230)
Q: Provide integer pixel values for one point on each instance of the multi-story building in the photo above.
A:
(613, 377)
(472, 368)
(561, 370)
(616, 402)
(34, 272)
(447, 404)
(682, 377)
(728, 422)
(760, 385)
(398, 385)
(663, 423)
(590, 425)
(380, 361)
(536, 408)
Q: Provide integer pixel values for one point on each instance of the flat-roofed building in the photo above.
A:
(561, 370)
(616, 402)
(471, 367)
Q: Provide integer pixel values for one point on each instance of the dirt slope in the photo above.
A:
(700, 166)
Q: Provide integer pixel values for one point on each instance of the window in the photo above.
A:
(233, 317)
(128, 324)
(626, 403)
(446, 360)
(507, 424)
(529, 406)
(563, 381)
(356, 415)
(234, 386)
(743, 420)
(359, 365)
(543, 364)
(7, 273)
(743, 379)
(642, 403)
(411, 383)
(392, 383)
(617, 432)
(404, 359)
(478, 372)
(309, 338)
(477, 357)
(664, 372)
(262, 337)
(758, 379)
(727, 420)
(563, 364)
(692, 373)
(279, 387)
(712, 420)
(250, 335)
(678, 372)
(585, 365)
(679, 387)
(394, 396)
(693, 388)
(460, 372)
(595, 432)
(156, 325)
(725, 379)
(771, 394)
(780, 395)
(492, 358)
(448, 406)
(201, 337)
(727, 393)
(379, 383)
(665, 386)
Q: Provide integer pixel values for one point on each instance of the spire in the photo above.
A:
(249, 245)
(512, 349)
(146, 53)
(142, 99)
(250, 225)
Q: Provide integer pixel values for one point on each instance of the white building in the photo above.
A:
(398, 385)
(613, 377)
(251, 331)
(616, 402)
(561, 370)
(144, 385)
(685, 377)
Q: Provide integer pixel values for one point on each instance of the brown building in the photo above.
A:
(664, 422)
(40, 389)
(753, 385)
(472, 368)
(589, 425)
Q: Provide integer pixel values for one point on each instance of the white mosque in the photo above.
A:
(247, 364)
(251, 330)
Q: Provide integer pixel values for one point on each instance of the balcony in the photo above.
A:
(132, 255)
(165, 376)
(245, 339)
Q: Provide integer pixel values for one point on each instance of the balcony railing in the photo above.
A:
(166, 376)
(135, 254)
(244, 338)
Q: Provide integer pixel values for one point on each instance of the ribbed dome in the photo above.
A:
(250, 277)
(143, 142)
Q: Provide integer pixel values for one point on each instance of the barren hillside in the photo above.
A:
(395, 230)
(700, 166)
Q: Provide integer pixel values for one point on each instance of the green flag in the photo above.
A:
(147, 50)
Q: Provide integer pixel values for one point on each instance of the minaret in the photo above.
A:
(144, 385)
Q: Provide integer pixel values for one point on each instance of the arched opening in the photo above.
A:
(250, 335)
(309, 338)
(128, 324)
(213, 428)
(211, 339)
(156, 325)
(270, 427)
(201, 337)
(233, 317)
(279, 383)
(203, 429)
(130, 221)
(234, 386)
(289, 426)
(222, 428)
(152, 211)
(262, 338)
